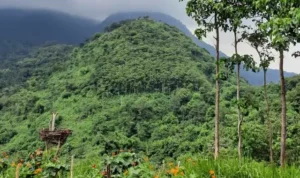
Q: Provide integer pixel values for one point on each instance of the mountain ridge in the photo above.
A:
(43, 26)
(252, 78)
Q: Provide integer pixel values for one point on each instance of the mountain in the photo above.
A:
(131, 87)
(22, 29)
(40, 26)
(257, 79)
(158, 17)
(252, 78)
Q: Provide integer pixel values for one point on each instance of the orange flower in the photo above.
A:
(37, 171)
(156, 176)
(213, 176)
(211, 172)
(94, 166)
(175, 171)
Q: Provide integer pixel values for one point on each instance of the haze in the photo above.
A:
(100, 9)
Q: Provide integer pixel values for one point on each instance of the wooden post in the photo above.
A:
(58, 147)
(53, 121)
(50, 123)
(108, 171)
(72, 164)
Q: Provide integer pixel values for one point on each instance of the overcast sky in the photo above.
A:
(100, 9)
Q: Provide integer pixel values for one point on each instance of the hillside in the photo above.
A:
(252, 78)
(23, 29)
(131, 87)
(125, 88)
(158, 17)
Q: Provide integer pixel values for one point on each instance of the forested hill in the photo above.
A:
(124, 88)
(21, 29)
(252, 78)
(133, 87)
(158, 17)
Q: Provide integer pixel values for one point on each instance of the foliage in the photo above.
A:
(133, 87)
(184, 167)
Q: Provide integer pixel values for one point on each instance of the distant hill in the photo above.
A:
(158, 17)
(252, 78)
(23, 28)
(39, 26)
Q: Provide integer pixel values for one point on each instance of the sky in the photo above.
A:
(100, 9)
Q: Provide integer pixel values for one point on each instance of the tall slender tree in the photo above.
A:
(209, 15)
(237, 10)
(261, 44)
(282, 29)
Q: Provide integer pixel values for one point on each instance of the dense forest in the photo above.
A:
(146, 87)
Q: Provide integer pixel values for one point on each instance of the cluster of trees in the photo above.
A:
(132, 87)
(276, 27)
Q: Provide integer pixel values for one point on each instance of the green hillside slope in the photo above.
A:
(131, 87)
(120, 84)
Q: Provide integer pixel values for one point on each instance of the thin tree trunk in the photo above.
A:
(238, 98)
(217, 107)
(283, 111)
(270, 129)
(240, 121)
(53, 121)
(72, 166)
(108, 171)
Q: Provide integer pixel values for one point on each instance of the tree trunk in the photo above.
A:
(53, 121)
(238, 97)
(240, 121)
(283, 111)
(270, 129)
(217, 107)
(72, 166)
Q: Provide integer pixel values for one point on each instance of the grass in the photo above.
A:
(195, 166)
(201, 168)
